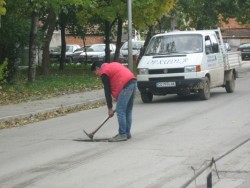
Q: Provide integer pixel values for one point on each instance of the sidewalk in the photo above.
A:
(22, 110)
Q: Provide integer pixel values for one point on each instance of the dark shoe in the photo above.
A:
(118, 138)
(129, 136)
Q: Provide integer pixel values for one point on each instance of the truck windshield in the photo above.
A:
(170, 44)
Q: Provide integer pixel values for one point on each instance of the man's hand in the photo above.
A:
(111, 112)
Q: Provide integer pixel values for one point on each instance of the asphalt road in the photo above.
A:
(170, 136)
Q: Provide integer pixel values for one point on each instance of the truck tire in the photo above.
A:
(146, 97)
(204, 93)
(230, 85)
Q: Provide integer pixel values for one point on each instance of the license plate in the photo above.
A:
(165, 84)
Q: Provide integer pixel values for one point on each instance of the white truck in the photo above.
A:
(186, 62)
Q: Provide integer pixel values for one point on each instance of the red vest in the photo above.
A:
(118, 74)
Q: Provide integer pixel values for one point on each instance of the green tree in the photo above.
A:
(65, 11)
(49, 11)
(203, 14)
(148, 14)
(49, 24)
(14, 35)
(242, 10)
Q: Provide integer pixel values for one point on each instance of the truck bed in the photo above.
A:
(232, 60)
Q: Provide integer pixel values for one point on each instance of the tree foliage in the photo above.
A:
(242, 11)
(3, 72)
(203, 14)
(2, 7)
(14, 36)
(146, 13)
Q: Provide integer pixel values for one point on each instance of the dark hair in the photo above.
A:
(94, 65)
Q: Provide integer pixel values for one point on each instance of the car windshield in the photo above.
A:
(135, 45)
(96, 48)
(167, 44)
(69, 48)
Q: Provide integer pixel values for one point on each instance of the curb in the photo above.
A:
(48, 110)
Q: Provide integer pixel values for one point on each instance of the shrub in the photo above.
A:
(3, 72)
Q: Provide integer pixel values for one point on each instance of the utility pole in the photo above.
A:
(130, 58)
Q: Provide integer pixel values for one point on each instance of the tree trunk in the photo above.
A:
(85, 50)
(63, 49)
(107, 41)
(119, 38)
(63, 40)
(149, 35)
(51, 21)
(32, 47)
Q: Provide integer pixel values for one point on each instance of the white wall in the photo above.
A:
(56, 39)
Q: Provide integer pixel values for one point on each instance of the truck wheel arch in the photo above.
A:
(229, 74)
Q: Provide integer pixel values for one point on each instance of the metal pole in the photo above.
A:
(130, 58)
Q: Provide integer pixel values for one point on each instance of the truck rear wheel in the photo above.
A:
(204, 93)
(146, 97)
(230, 85)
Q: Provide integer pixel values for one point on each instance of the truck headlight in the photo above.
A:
(143, 71)
(193, 68)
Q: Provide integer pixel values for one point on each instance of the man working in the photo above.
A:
(120, 83)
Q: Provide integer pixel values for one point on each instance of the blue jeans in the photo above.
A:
(124, 107)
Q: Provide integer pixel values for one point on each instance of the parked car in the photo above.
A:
(245, 51)
(55, 54)
(227, 46)
(96, 53)
(76, 54)
(136, 47)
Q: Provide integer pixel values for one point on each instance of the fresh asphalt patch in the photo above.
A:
(92, 140)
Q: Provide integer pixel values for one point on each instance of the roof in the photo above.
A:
(236, 33)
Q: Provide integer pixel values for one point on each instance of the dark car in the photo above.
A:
(245, 51)
(55, 54)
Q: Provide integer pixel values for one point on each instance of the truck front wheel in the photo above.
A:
(146, 97)
(230, 85)
(204, 93)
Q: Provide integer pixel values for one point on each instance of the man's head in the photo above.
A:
(95, 67)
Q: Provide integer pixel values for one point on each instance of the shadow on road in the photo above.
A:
(93, 140)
